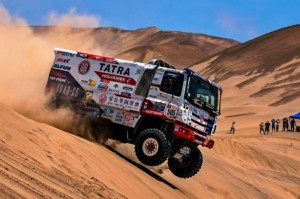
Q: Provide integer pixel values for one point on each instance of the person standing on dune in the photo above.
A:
(293, 124)
(277, 124)
(273, 124)
(261, 128)
(232, 128)
(267, 127)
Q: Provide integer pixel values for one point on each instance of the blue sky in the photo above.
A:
(233, 19)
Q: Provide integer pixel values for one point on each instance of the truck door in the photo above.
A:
(164, 96)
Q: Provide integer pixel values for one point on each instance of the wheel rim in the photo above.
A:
(150, 147)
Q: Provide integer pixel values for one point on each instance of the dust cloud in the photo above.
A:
(71, 19)
(26, 59)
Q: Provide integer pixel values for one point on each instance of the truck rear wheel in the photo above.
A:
(152, 147)
(189, 166)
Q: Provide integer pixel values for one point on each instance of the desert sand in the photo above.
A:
(51, 154)
(38, 160)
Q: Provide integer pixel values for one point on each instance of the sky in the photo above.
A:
(241, 20)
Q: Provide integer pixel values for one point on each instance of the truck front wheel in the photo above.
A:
(188, 167)
(152, 147)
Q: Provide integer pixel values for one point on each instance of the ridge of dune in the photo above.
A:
(115, 41)
(165, 52)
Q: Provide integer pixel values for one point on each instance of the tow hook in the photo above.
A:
(208, 143)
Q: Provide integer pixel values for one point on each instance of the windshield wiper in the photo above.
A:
(209, 105)
(202, 104)
(197, 103)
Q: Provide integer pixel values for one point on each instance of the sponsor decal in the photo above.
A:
(198, 127)
(108, 59)
(126, 88)
(58, 79)
(67, 90)
(82, 55)
(92, 82)
(63, 60)
(153, 89)
(105, 81)
(153, 109)
(108, 111)
(115, 86)
(57, 73)
(138, 71)
(163, 96)
(186, 106)
(61, 67)
(180, 112)
(113, 91)
(201, 118)
(116, 78)
(120, 114)
(57, 76)
(154, 113)
(102, 87)
(129, 117)
(122, 102)
(126, 94)
(102, 98)
(65, 53)
(119, 117)
(153, 96)
(116, 69)
(159, 106)
(201, 113)
(88, 95)
(84, 82)
(84, 67)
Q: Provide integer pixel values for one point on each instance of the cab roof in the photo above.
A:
(193, 73)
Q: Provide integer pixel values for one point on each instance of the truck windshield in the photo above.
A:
(203, 95)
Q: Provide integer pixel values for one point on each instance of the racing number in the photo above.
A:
(171, 112)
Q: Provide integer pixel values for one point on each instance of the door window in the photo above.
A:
(172, 83)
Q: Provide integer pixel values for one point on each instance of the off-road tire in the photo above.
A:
(160, 155)
(189, 167)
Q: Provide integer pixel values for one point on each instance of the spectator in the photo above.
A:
(293, 124)
(232, 128)
(273, 124)
(277, 124)
(261, 128)
(284, 121)
(267, 127)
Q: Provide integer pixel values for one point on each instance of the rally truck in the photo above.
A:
(166, 113)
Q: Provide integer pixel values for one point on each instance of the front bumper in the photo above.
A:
(193, 136)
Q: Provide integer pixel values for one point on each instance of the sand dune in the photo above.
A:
(259, 78)
(38, 160)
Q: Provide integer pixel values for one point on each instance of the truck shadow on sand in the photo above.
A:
(142, 168)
